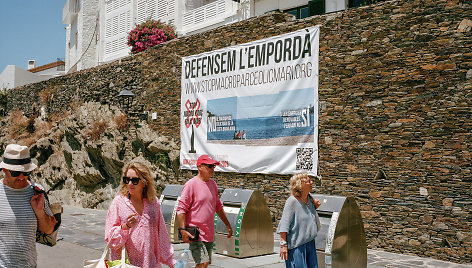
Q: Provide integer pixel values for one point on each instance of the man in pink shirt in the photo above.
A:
(197, 206)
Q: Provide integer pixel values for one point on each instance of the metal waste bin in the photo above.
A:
(249, 217)
(341, 240)
(169, 200)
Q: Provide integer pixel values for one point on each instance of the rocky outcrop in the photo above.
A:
(81, 165)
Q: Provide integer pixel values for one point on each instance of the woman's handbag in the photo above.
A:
(104, 261)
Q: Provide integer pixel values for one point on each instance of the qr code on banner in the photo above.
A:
(304, 159)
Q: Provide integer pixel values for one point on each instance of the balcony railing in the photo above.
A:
(209, 14)
(70, 11)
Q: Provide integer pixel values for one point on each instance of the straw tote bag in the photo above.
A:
(102, 262)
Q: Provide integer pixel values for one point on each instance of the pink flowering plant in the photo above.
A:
(149, 34)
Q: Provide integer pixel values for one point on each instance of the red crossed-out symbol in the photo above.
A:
(192, 116)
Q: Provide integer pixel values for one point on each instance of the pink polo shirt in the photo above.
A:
(199, 201)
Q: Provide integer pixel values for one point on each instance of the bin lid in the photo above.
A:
(174, 190)
(330, 203)
(236, 196)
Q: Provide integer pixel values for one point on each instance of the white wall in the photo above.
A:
(67, 56)
(88, 38)
(283, 5)
(13, 76)
(81, 34)
(335, 5)
(73, 50)
(49, 73)
(263, 6)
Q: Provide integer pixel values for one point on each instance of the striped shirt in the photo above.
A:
(18, 225)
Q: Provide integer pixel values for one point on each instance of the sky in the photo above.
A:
(31, 30)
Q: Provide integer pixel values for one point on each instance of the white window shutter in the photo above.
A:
(146, 10)
(141, 12)
(151, 9)
(165, 10)
(118, 21)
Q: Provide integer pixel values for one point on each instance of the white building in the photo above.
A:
(97, 30)
(13, 76)
(50, 70)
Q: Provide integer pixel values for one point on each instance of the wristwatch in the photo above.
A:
(283, 243)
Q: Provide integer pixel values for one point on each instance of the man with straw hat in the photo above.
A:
(23, 210)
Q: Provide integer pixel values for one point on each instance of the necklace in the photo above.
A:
(301, 200)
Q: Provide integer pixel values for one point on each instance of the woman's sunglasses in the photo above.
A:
(134, 180)
(15, 174)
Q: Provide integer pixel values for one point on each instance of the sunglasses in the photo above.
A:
(134, 180)
(210, 165)
(18, 173)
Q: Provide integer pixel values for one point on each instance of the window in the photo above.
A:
(317, 7)
(314, 7)
(293, 12)
(61, 66)
(304, 12)
(299, 12)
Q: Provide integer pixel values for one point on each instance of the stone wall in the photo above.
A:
(395, 91)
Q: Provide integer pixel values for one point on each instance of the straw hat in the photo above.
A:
(17, 158)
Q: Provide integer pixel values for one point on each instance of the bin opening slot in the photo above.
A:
(231, 204)
(325, 220)
(167, 208)
(326, 214)
(232, 213)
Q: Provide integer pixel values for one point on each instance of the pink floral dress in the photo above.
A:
(147, 243)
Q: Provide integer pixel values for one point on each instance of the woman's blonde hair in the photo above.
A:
(296, 182)
(143, 172)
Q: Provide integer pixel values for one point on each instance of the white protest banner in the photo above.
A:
(253, 107)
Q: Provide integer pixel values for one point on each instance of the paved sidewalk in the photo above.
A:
(82, 237)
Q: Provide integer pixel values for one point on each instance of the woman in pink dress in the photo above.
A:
(134, 220)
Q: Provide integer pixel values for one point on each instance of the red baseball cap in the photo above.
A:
(206, 159)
